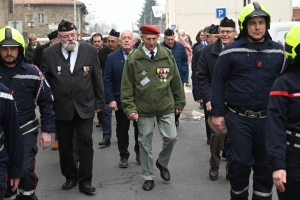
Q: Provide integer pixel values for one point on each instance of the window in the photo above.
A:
(246, 2)
(41, 18)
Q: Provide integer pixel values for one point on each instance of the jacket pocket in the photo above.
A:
(90, 96)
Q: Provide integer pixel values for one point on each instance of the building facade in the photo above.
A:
(41, 17)
(194, 15)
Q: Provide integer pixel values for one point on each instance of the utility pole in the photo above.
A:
(75, 12)
(151, 17)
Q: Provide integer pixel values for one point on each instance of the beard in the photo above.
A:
(70, 45)
(10, 62)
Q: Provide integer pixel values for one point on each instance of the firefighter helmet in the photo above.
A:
(292, 41)
(12, 37)
(254, 10)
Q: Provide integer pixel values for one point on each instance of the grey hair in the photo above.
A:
(32, 36)
(206, 29)
(136, 36)
(120, 37)
(226, 27)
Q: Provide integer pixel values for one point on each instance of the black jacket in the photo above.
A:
(36, 60)
(205, 68)
(79, 90)
(283, 115)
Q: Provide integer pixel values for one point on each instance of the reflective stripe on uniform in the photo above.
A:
(31, 121)
(262, 194)
(1, 147)
(6, 96)
(34, 77)
(294, 134)
(30, 130)
(12, 197)
(290, 133)
(27, 193)
(240, 50)
(237, 50)
(272, 51)
(240, 192)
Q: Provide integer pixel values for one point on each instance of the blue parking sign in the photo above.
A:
(220, 12)
(173, 26)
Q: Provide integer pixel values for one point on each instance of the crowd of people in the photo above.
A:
(245, 83)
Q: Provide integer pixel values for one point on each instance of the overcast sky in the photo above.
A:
(121, 12)
(296, 3)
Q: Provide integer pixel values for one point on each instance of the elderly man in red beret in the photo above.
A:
(151, 90)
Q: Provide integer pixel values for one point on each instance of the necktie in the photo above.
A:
(125, 55)
(69, 57)
(152, 55)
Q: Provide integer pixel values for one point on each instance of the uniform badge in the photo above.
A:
(145, 81)
(163, 73)
(86, 70)
(58, 70)
(144, 73)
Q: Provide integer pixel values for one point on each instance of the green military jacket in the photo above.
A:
(151, 88)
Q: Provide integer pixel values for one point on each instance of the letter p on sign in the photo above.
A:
(220, 12)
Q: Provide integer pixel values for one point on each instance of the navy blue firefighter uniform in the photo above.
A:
(283, 122)
(28, 87)
(248, 69)
(11, 146)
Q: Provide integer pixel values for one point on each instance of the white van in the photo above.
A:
(278, 30)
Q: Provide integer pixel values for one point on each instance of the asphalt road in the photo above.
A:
(188, 167)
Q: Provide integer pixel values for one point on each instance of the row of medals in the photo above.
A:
(85, 73)
(163, 73)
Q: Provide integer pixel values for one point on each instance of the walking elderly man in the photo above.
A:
(74, 72)
(151, 89)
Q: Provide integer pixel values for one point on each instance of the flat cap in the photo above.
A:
(213, 29)
(149, 29)
(52, 35)
(114, 33)
(169, 32)
(66, 26)
(227, 23)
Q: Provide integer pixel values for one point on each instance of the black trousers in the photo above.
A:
(292, 175)
(123, 124)
(207, 127)
(84, 130)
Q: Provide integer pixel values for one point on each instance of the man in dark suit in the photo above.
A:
(74, 73)
(113, 45)
(36, 60)
(112, 86)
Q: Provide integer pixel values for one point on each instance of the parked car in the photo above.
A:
(278, 30)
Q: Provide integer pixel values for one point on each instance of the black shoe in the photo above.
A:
(105, 143)
(201, 105)
(227, 177)
(164, 173)
(69, 184)
(138, 160)
(223, 154)
(123, 163)
(87, 188)
(148, 185)
(208, 141)
(99, 125)
(176, 122)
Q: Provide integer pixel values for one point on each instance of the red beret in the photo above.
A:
(149, 29)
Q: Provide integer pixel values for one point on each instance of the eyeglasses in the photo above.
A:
(67, 36)
(215, 36)
(227, 32)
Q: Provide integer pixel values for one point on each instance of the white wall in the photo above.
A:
(193, 15)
